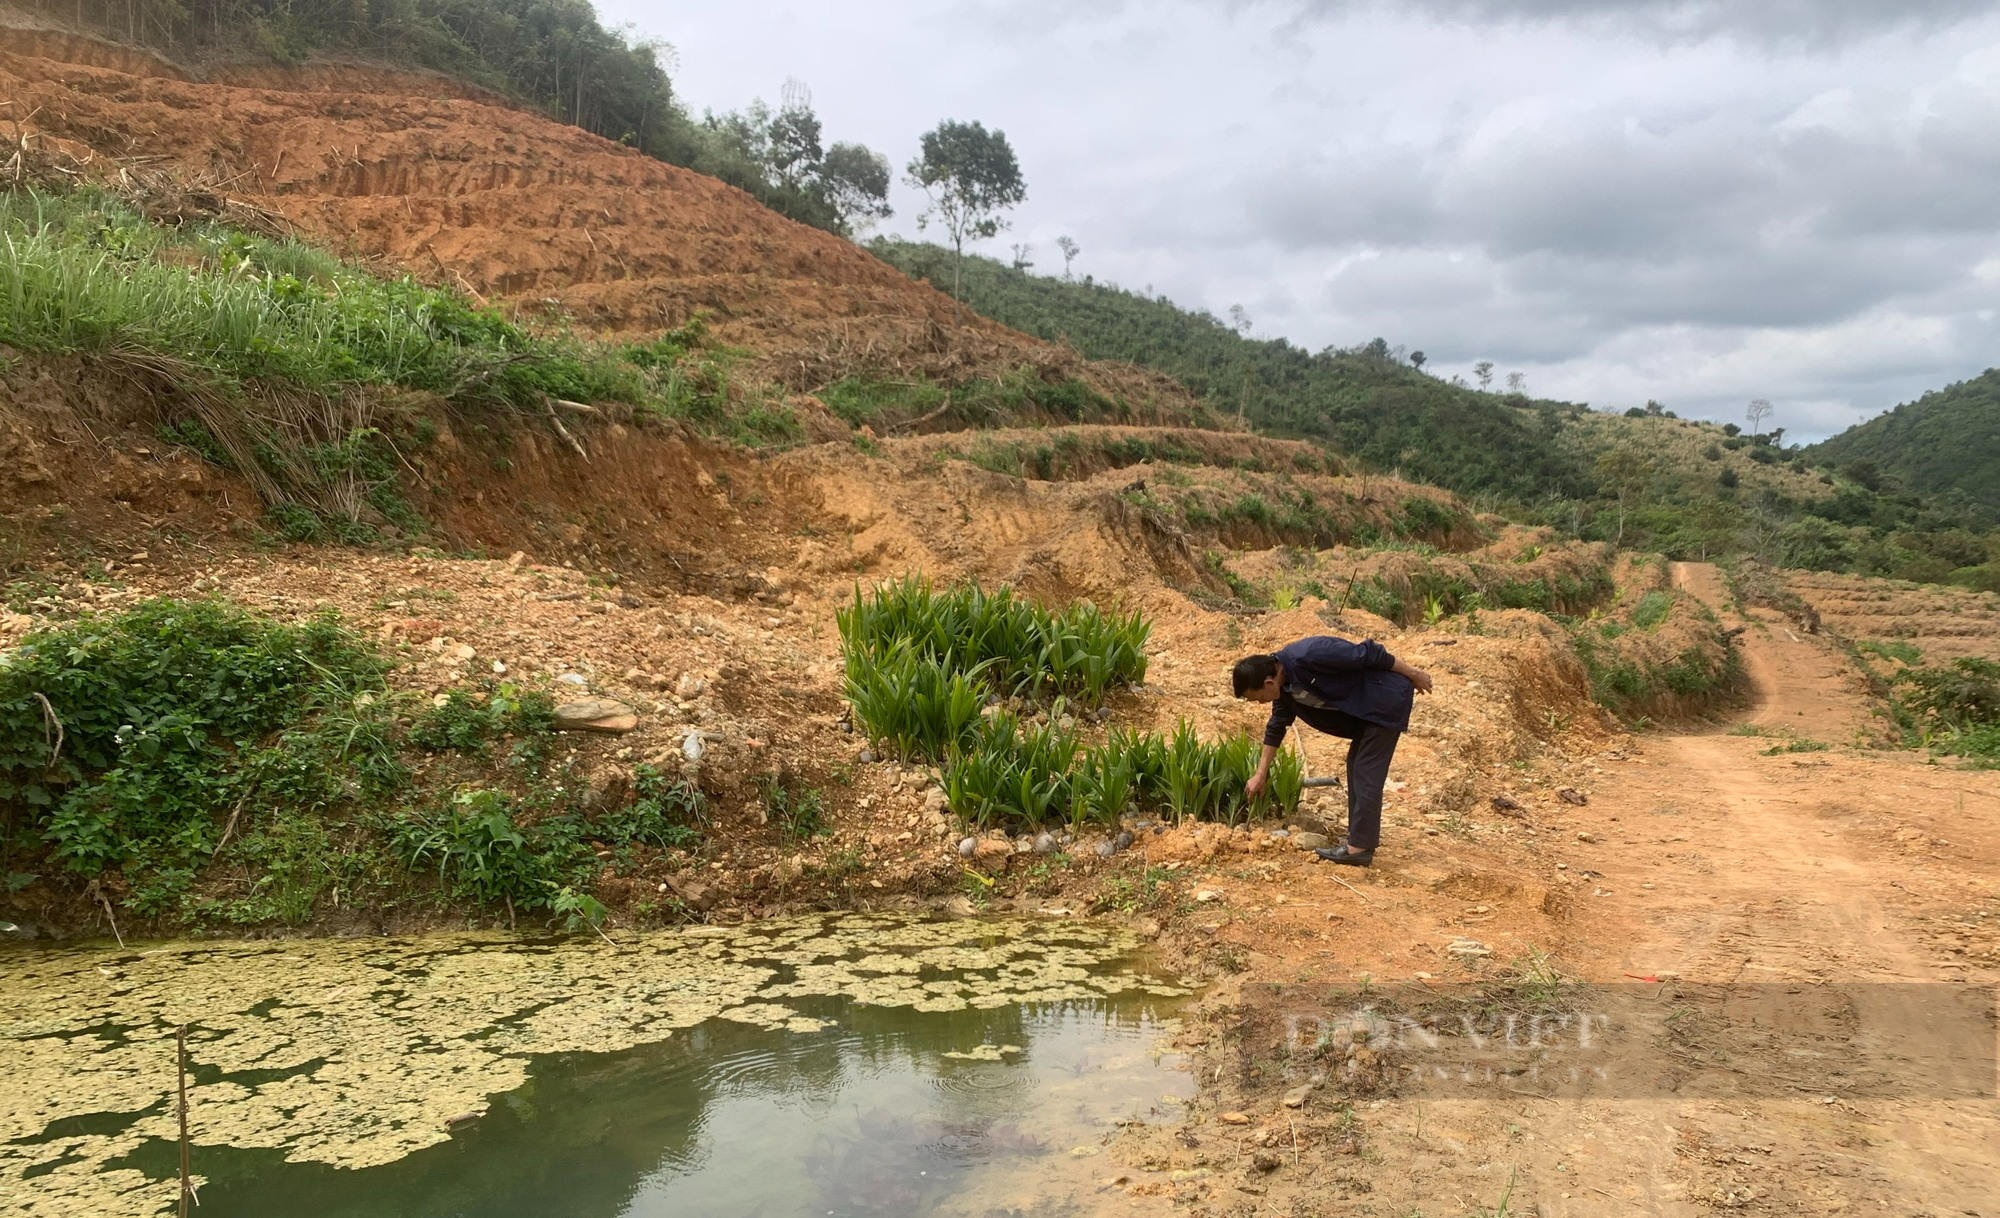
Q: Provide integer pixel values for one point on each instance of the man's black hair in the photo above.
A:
(1251, 672)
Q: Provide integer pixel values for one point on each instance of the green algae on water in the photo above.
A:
(356, 1053)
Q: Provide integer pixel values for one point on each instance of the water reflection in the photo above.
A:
(866, 1117)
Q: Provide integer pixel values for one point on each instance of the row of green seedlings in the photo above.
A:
(913, 649)
(1003, 772)
(928, 669)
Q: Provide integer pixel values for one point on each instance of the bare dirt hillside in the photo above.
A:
(1942, 623)
(422, 173)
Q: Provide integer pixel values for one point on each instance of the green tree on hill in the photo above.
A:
(970, 175)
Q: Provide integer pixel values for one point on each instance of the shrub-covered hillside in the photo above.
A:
(1368, 402)
(1946, 444)
(1642, 479)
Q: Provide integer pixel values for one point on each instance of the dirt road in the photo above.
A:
(1727, 857)
(1820, 882)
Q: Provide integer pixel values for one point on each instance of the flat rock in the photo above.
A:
(1296, 1097)
(596, 715)
(1311, 841)
(1234, 1118)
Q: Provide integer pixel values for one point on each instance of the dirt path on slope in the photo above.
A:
(1728, 858)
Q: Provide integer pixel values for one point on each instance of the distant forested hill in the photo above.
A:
(1945, 446)
(1368, 401)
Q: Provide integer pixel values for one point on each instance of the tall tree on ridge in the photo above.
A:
(970, 176)
(1070, 249)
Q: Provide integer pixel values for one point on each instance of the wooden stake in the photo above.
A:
(1351, 888)
(181, 1061)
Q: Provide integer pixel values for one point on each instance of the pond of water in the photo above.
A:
(840, 1065)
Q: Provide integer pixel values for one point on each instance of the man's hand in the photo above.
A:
(1255, 786)
(1414, 675)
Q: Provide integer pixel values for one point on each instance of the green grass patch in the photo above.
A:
(1652, 609)
(1901, 652)
(86, 273)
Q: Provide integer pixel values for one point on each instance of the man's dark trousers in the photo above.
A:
(1370, 748)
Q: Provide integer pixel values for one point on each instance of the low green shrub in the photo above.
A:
(126, 738)
(87, 272)
(1012, 774)
(798, 811)
(1954, 708)
(225, 767)
(484, 848)
(467, 720)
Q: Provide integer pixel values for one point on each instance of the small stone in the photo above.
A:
(967, 847)
(1207, 896)
(693, 894)
(866, 757)
(499, 668)
(1279, 835)
(1234, 1118)
(992, 849)
(1046, 844)
(1311, 841)
(1106, 849)
(1586, 837)
(1296, 1097)
(1570, 795)
(1264, 1161)
(596, 715)
(1467, 949)
(1123, 841)
(692, 748)
(689, 687)
(573, 678)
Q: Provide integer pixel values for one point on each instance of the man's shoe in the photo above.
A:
(1341, 854)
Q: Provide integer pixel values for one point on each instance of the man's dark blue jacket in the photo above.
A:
(1352, 678)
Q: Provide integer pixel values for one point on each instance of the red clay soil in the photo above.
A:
(455, 185)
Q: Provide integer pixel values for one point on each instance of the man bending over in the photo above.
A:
(1354, 690)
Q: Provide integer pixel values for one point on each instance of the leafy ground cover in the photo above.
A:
(202, 764)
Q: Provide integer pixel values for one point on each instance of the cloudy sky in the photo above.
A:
(1699, 201)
